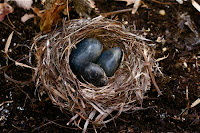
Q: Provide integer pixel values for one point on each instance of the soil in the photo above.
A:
(176, 35)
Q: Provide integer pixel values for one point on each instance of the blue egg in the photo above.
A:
(88, 50)
(109, 60)
(93, 73)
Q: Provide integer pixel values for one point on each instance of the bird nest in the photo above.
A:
(96, 105)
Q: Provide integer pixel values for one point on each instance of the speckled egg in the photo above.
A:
(109, 60)
(88, 50)
(94, 74)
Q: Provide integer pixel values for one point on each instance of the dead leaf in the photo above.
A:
(5, 9)
(8, 42)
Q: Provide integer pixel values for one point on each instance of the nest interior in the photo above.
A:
(95, 105)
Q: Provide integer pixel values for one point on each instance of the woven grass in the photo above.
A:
(125, 90)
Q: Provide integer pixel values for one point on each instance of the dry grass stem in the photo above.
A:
(95, 105)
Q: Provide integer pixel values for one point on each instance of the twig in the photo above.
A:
(53, 122)
(18, 128)
(187, 97)
(12, 28)
(10, 21)
(150, 73)
(27, 96)
(116, 12)
(1, 104)
(11, 79)
(196, 121)
(72, 119)
(62, 125)
(68, 10)
(1, 68)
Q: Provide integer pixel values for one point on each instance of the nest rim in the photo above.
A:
(125, 90)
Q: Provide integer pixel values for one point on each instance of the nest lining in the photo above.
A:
(125, 89)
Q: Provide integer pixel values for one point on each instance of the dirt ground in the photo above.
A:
(176, 35)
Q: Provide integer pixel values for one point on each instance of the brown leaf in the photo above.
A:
(50, 16)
